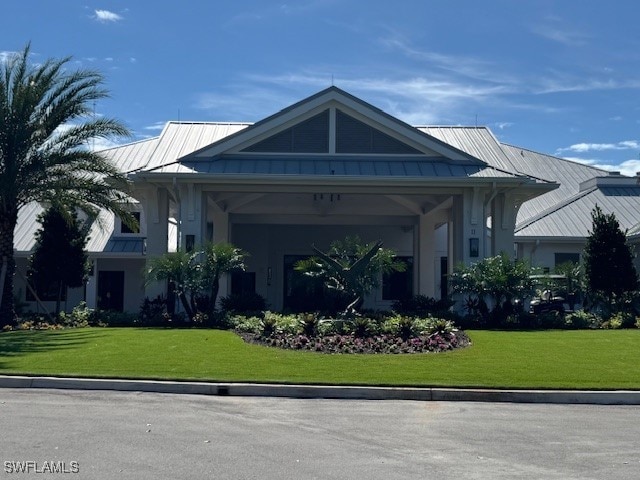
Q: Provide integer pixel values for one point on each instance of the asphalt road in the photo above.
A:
(114, 435)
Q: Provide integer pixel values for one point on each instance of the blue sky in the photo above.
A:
(560, 77)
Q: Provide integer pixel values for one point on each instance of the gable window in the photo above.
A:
(354, 136)
(310, 136)
(125, 229)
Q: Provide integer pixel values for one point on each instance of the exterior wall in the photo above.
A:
(133, 285)
(74, 295)
(134, 291)
(543, 254)
(268, 244)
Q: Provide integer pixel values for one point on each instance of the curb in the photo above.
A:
(594, 397)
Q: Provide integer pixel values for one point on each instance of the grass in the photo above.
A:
(587, 359)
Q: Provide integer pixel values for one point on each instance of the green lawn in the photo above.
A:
(594, 359)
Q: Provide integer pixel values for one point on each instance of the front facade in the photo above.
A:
(324, 168)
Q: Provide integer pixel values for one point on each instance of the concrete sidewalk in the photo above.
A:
(609, 397)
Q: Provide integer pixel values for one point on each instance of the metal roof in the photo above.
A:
(355, 166)
(125, 245)
(542, 216)
(176, 140)
(132, 156)
(572, 218)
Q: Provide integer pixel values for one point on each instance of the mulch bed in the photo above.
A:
(438, 342)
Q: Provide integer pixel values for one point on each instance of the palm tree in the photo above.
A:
(352, 267)
(196, 274)
(182, 269)
(219, 259)
(45, 130)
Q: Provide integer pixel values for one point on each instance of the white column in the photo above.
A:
(192, 215)
(91, 289)
(503, 219)
(426, 242)
(221, 234)
(156, 205)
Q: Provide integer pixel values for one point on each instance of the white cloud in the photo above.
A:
(418, 100)
(503, 125)
(105, 16)
(6, 55)
(600, 147)
(102, 144)
(628, 167)
(155, 127)
(556, 30)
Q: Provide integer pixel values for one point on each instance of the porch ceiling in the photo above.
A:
(325, 203)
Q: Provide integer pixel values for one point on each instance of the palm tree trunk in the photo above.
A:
(7, 225)
(185, 303)
(215, 288)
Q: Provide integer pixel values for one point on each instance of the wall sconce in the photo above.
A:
(474, 247)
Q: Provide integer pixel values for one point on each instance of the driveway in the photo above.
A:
(114, 435)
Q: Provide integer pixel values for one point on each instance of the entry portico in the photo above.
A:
(326, 167)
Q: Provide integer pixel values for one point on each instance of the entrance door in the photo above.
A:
(111, 290)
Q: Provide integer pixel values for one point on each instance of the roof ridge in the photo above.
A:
(207, 122)
(558, 206)
(142, 140)
(555, 157)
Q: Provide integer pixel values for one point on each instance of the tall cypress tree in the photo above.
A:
(608, 259)
(59, 260)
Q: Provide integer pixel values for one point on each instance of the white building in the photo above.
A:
(329, 166)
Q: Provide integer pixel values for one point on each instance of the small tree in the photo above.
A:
(180, 268)
(59, 260)
(196, 275)
(351, 267)
(219, 259)
(608, 259)
(499, 280)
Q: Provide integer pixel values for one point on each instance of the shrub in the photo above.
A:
(153, 312)
(614, 323)
(619, 320)
(407, 327)
(552, 319)
(362, 327)
(268, 325)
(80, 316)
(440, 326)
(308, 323)
(243, 303)
(582, 319)
(422, 306)
(245, 324)
(112, 318)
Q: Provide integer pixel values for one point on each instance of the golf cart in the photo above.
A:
(549, 299)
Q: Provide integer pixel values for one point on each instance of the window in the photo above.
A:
(125, 229)
(567, 257)
(354, 136)
(310, 136)
(398, 285)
